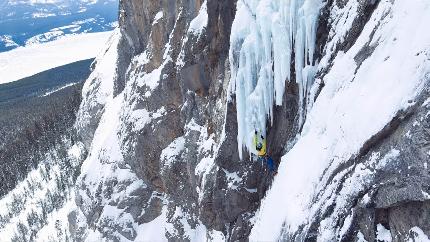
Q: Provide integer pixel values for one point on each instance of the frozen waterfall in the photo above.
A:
(265, 36)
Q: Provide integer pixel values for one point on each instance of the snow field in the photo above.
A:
(27, 61)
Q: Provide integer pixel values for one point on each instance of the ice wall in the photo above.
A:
(266, 36)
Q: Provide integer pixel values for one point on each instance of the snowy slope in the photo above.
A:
(357, 101)
(37, 209)
(27, 61)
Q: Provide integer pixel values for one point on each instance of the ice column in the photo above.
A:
(265, 34)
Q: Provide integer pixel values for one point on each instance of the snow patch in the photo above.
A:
(383, 234)
(233, 179)
(417, 235)
(58, 89)
(172, 151)
(360, 237)
(8, 41)
(43, 15)
(151, 80)
(200, 21)
(157, 17)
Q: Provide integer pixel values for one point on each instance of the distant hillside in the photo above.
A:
(44, 82)
(34, 113)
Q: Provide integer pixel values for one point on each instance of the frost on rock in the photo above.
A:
(265, 34)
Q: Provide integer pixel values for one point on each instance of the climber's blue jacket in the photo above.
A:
(270, 164)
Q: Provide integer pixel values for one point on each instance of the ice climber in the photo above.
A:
(260, 145)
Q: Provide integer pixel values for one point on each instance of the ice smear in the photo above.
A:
(261, 55)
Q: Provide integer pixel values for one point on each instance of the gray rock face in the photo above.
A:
(176, 134)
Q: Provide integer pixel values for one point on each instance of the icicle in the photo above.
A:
(264, 35)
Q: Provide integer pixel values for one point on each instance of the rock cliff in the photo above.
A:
(348, 122)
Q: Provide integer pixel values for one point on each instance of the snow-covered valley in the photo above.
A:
(160, 145)
(27, 61)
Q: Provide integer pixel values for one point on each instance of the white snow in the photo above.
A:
(264, 35)
(360, 237)
(80, 22)
(75, 151)
(26, 61)
(58, 221)
(426, 102)
(383, 234)
(8, 41)
(346, 224)
(42, 15)
(204, 165)
(193, 234)
(342, 22)
(425, 194)
(105, 162)
(36, 2)
(100, 82)
(200, 21)
(58, 89)
(170, 153)
(45, 37)
(233, 179)
(35, 195)
(418, 235)
(349, 110)
(151, 80)
(157, 17)
(65, 27)
(154, 230)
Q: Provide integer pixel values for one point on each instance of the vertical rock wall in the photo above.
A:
(161, 131)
